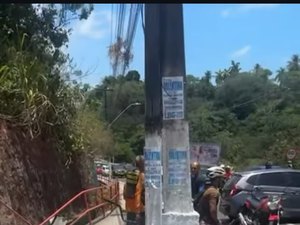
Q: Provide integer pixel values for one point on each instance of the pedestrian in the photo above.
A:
(290, 164)
(268, 165)
(197, 184)
(134, 191)
(209, 201)
(197, 180)
(228, 172)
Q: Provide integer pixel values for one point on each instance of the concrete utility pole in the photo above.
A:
(153, 120)
(167, 133)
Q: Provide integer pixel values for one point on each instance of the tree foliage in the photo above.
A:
(36, 87)
(251, 115)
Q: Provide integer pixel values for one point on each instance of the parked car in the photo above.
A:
(105, 170)
(129, 167)
(262, 167)
(273, 181)
(118, 170)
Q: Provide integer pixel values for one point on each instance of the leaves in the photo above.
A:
(33, 93)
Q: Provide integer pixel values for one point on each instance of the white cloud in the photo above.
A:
(244, 8)
(97, 26)
(241, 52)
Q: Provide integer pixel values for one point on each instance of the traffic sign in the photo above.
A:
(291, 154)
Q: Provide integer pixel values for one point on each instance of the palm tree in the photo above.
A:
(208, 76)
(219, 77)
(257, 69)
(280, 74)
(234, 69)
(294, 64)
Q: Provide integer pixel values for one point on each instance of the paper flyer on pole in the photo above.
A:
(173, 98)
(153, 169)
(178, 168)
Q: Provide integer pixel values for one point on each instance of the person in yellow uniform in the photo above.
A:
(134, 194)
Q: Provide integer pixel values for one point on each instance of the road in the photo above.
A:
(115, 218)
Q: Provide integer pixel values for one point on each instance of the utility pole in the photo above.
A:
(167, 131)
(105, 101)
(153, 119)
(105, 105)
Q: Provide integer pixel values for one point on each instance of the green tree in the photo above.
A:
(294, 64)
(33, 92)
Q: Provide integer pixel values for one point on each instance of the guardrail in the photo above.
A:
(90, 202)
(111, 189)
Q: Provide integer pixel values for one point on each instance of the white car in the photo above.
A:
(105, 170)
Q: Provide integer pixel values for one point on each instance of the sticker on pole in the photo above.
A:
(178, 168)
(291, 154)
(173, 98)
(153, 170)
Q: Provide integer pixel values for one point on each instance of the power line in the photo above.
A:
(111, 23)
(142, 18)
(120, 51)
(132, 25)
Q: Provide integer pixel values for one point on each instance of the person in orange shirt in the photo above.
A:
(134, 194)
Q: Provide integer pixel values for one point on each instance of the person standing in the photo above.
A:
(290, 164)
(134, 191)
(197, 184)
(268, 165)
(209, 202)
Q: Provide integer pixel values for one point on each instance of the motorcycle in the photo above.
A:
(260, 210)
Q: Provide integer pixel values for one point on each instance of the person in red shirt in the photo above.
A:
(228, 172)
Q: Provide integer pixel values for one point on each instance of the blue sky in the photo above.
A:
(215, 34)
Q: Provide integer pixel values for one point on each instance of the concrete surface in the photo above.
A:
(115, 218)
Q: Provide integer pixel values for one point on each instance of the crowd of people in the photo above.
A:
(205, 192)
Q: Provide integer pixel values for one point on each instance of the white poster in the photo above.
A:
(153, 167)
(177, 167)
(205, 153)
(173, 98)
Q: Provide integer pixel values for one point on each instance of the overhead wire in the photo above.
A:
(121, 49)
(142, 17)
(122, 20)
(111, 23)
(117, 37)
(131, 30)
(117, 21)
(129, 22)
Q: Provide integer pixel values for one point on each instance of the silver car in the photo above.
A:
(280, 181)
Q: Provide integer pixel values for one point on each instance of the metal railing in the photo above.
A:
(113, 190)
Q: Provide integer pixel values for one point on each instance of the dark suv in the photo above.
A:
(280, 181)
